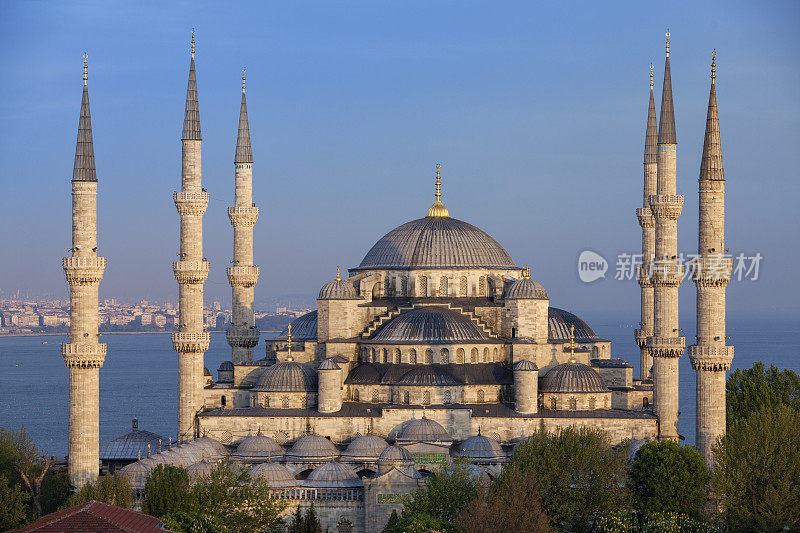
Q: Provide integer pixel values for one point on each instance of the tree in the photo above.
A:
(166, 491)
(311, 523)
(56, 490)
(758, 471)
(15, 507)
(23, 463)
(438, 504)
(667, 477)
(575, 473)
(751, 389)
(296, 526)
(110, 489)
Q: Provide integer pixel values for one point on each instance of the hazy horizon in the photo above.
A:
(536, 111)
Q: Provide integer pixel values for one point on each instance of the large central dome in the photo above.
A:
(436, 242)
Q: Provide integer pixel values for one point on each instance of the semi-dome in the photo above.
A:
(332, 475)
(430, 325)
(304, 328)
(424, 430)
(258, 447)
(287, 376)
(329, 364)
(436, 242)
(366, 447)
(312, 447)
(526, 366)
(427, 375)
(275, 474)
(481, 447)
(338, 289)
(558, 326)
(525, 289)
(572, 377)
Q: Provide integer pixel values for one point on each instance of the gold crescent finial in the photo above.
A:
(438, 181)
(192, 43)
(85, 67)
(572, 343)
(667, 43)
(244, 69)
(651, 76)
(338, 275)
(713, 65)
(289, 343)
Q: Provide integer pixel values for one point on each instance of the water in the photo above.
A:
(140, 376)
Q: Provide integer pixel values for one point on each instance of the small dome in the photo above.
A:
(367, 447)
(525, 289)
(430, 325)
(304, 328)
(275, 474)
(424, 430)
(329, 364)
(287, 376)
(131, 446)
(559, 321)
(136, 473)
(203, 468)
(395, 457)
(572, 377)
(213, 449)
(258, 447)
(525, 366)
(428, 376)
(333, 475)
(312, 447)
(225, 366)
(481, 447)
(338, 289)
(191, 451)
(175, 457)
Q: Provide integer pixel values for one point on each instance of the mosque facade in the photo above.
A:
(436, 346)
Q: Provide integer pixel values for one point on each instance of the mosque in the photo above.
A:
(436, 346)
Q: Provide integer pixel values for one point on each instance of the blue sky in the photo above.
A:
(536, 110)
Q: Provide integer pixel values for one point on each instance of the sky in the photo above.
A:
(536, 111)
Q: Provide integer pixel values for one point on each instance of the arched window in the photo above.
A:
(376, 290)
(285, 402)
(447, 397)
(374, 356)
(592, 402)
(422, 290)
(426, 397)
(355, 395)
(486, 355)
(253, 398)
(595, 352)
(645, 403)
(385, 355)
(397, 355)
(445, 356)
(388, 289)
(460, 356)
(462, 286)
(473, 356)
(406, 397)
(404, 286)
(344, 526)
(553, 403)
(223, 401)
(375, 396)
(429, 356)
(480, 396)
(494, 355)
(573, 404)
(412, 356)
(604, 351)
(443, 282)
(482, 286)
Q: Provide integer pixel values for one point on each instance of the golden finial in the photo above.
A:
(526, 272)
(289, 344)
(713, 65)
(667, 43)
(572, 343)
(243, 71)
(85, 67)
(338, 275)
(651, 76)
(192, 43)
(438, 209)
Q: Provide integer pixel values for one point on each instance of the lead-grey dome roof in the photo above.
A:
(436, 242)
(333, 475)
(424, 430)
(559, 321)
(258, 447)
(337, 289)
(312, 447)
(430, 325)
(365, 446)
(428, 375)
(573, 377)
(287, 376)
(525, 289)
(275, 474)
(303, 328)
(481, 447)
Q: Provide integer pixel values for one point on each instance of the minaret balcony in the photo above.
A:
(711, 358)
(641, 337)
(191, 272)
(243, 276)
(185, 342)
(244, 216)
(668, 206)
(711, 270)
(242, 337)
(84, 270)
(645, 216)
(666, 274)
(643, 276)
(84, 354)
(190, 203)
(666, 346)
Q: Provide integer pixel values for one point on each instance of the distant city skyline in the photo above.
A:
(541, 108)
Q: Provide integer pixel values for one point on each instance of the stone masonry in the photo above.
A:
(83, 354)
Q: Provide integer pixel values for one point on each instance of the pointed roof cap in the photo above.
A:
(651, 134)
(244, 152)
(711, 164)
(84, 149)
(666, 128)
(191, 117)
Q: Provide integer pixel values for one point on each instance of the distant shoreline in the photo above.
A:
(102, 333)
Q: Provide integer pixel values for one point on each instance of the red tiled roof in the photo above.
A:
(96, 517)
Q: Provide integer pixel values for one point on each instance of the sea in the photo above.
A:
(140, 376)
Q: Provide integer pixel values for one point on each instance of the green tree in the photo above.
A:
(110, 489)
(632, 522)
(23, 463)
(311, 523)
(296, 525)
(15, 506)
(751, 389)
(438, 504)
(575, 473)
(758, 471)
(56, 490)
(166, 491)
(667, 477)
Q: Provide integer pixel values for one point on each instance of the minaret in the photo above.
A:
(83, 354)
(710, 357)
(243, 275)
(666, 345)
(191, 270)
(648, 224)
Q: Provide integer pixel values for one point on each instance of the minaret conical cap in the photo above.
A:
(651, 135)
(666, 127)
(84, 149)
(711, 164)
(191, 117)
(244, 152)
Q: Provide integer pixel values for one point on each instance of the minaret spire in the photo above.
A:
(191, 116)
(84, 150)
(666, 128)
(244, 152)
